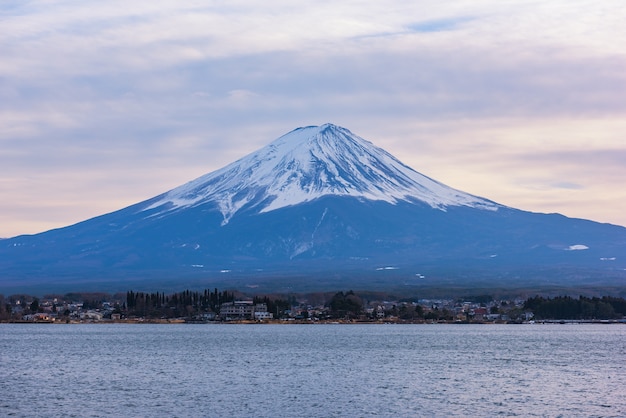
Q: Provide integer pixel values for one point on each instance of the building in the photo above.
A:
(244, 309)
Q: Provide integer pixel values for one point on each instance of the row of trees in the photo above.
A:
(566, 307)
(191, 303)
(184, 303)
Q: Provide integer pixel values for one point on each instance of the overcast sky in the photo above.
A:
(107, 103)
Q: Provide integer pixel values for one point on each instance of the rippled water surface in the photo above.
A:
(312, 370)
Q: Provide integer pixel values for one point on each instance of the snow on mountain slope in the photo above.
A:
(309, 163)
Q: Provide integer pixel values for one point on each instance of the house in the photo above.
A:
(38, 317)
(480, 314)
(262, 315)
(91, 315)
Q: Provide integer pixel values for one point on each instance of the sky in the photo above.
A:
(106, 104)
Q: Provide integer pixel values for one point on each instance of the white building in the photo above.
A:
(244, 309)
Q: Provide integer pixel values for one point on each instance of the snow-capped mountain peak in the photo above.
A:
(318, 209)
(306, 164)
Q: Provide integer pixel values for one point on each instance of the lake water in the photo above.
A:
(312, 370)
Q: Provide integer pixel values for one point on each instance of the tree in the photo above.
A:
(345, 304)
(431, 316)
(604, 311)
(407, 312)
(34, 306)
(5, 310)
(565, 307)
(404, 312)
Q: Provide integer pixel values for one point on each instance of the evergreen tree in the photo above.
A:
(34, 306)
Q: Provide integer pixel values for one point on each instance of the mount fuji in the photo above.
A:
(317, 209)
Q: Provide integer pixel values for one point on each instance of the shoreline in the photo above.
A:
(140, 321)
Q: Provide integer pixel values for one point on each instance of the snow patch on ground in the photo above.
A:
(577, 247)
